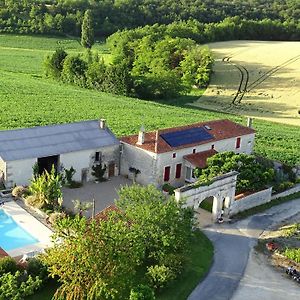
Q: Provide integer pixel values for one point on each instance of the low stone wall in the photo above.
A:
(294, 189)
(250, 201)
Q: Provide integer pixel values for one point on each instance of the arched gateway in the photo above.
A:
(222, 189)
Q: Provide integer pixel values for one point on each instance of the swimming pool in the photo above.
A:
(13, 236)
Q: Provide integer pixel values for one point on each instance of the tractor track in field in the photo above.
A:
(269, 73)
(242, 88)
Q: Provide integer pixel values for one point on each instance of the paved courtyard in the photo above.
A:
(104, 193)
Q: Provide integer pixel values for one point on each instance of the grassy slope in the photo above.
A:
(198, 265)
(27, 99)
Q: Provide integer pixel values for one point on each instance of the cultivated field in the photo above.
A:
(28, 99)
(266, 74)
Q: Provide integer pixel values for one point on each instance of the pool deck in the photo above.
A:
(31, 225)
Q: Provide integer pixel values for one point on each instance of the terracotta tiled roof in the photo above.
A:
(3, 253)
(199, 159)
(220, 130)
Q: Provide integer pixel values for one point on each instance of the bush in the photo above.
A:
(142, 292)
(35, 201)
(36, 268)
(19, 191)
(159, 276)
(56, 216)
(293, 254)
(283, 186)
(168, 188)
(17, 286)
(8, 265)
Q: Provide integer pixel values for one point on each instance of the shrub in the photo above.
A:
(159, 276)
(168, 188)
(35, 267)
(98, 172)
(142, 292)
(293, 254)
(8, 265)
(17, 286)
(54, 217)
(69, 173)
(283, 186)
(35, 201)
(19, 191)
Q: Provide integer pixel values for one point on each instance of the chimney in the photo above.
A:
(156, 141)
(249, 122)
(141, 137)
(102, 123)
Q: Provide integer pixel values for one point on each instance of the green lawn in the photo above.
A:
(198, 265)
(28, 99)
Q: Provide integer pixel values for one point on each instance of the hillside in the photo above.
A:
(268, 77)
(27, 99)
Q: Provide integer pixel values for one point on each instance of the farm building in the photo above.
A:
(80, 145)
(171, 155)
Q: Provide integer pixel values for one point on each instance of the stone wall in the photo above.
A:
(250, 201)
(290, 191)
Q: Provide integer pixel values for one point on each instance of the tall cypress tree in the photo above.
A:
(87, 30)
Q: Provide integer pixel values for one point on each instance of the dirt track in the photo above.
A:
(256, 78)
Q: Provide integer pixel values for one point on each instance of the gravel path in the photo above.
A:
(237, 273)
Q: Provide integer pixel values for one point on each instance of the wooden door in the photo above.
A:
(111, 169)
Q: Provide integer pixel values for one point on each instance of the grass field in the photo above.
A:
(28, 99)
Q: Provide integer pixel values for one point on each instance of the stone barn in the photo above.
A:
(79, 145)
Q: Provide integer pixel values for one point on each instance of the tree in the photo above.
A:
(252, 175)
(54, 63)
(96, 260)
(87, 30)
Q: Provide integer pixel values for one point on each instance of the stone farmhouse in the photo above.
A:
(80, 145)
(164, 156)
(171, 155)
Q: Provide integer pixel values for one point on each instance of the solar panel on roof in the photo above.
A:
(187, 136)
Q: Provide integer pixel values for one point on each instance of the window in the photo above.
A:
(174, 155)
(194, 150)
(178, 170)
(97, 156)
(238, 143)
(188, 173)
(212, 146)
(167, 173)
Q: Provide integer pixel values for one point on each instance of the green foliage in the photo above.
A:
(87, 30)
(150, 236)
(68, 176)
(285, 185)
(98, 172)
(53, 64)
(293, 254)
(7, 265)
(168, 188)
(46, 190)
(142, 292)
(16, 287)
(252, 175)
(80, 207)
(35, 267)
(44, 102)
(35, 170)
(73, 71)
(66, 17)
(159, 276)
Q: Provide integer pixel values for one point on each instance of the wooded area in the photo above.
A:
(66, 16)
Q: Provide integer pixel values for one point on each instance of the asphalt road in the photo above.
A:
(233, 244)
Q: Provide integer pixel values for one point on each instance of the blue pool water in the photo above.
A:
(12, 236)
